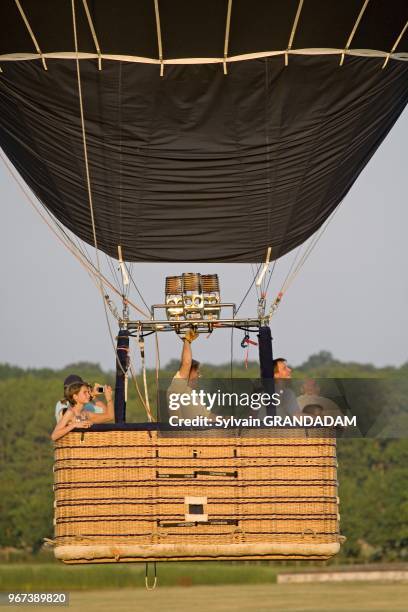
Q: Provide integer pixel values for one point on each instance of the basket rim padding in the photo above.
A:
(167, 551)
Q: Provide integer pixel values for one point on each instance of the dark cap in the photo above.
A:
(71, 379)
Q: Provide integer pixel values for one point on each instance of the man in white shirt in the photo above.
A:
(311, 396)
(186, 379)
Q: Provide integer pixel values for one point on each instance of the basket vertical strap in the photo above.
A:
(154, 439)
(237, 466)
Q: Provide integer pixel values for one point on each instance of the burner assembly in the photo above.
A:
(192, 297)
(192, 300)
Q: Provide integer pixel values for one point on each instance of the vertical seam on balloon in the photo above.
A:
(310, 156)
(120, 150)
(247, 211)
(278, 140)
(268, 177)
(143, 175)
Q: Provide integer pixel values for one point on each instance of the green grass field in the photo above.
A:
(197, 587)
(51, 576)
(353, 597)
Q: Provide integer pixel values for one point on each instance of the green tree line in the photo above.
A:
(373, 473)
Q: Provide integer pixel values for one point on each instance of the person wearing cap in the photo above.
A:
(93, 406)
(75, 416)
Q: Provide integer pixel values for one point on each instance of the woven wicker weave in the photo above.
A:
(130, 495)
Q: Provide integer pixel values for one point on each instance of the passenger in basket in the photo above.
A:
(186, 379)
(281, 370)
(311, 396)
(282, 374)
(94, 405)
(78, 395)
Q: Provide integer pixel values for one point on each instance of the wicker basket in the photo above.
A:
(144, 496)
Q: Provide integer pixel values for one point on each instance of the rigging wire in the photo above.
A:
(129, 271)
(249, 289)
(113, 272)
(254, 276)
(137, 289)
(290, 277)
(81, 246)
(270, 276)
(309, 250)
(298, 251)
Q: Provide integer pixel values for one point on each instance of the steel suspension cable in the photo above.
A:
(290, 277)
(270, 276)
(254, 276)
(137, 289)
(249, 289)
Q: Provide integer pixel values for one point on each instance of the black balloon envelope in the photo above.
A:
(213, 129)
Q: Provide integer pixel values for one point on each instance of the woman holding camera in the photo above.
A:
(94, 405)
(78, 394)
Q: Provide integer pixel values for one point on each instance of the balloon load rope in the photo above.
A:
(141, 343)
(94, 36)
(227, 35)
(31, 33)
(159, 36)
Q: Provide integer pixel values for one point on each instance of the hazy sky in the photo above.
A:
(350, 298)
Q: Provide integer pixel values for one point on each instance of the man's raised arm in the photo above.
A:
(186, 359)
(186, 354)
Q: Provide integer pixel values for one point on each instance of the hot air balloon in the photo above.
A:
(200, 131)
